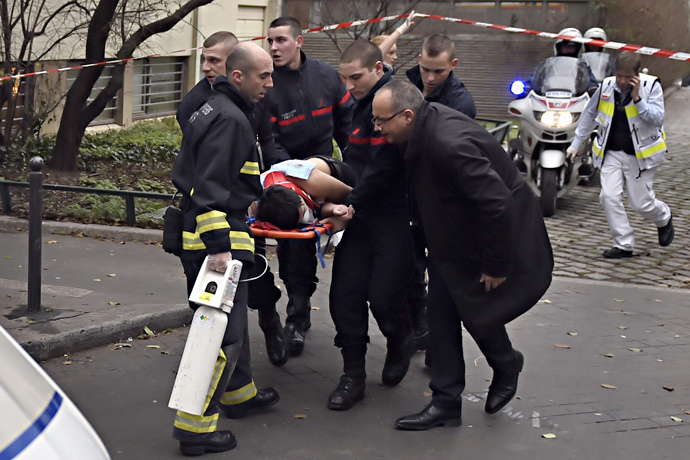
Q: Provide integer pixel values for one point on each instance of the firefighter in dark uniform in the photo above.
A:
(217, 172)
(263, 291)
(310, 107)
(374, 261)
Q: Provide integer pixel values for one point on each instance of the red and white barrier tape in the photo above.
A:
(593, 41)
(677, 55)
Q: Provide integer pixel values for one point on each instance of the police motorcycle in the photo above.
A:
(549, 111)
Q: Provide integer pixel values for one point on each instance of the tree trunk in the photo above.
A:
(77, 114)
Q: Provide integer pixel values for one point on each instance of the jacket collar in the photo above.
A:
(415, 76)
(416, 143)
(286, 70)
(222, 85)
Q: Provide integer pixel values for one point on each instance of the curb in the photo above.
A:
(89, 230)
(103, 333)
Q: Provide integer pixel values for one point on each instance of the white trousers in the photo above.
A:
(619, 168)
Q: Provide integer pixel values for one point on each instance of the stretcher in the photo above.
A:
(313, 231)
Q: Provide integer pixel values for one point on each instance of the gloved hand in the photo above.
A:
(409, 21)
(571, 151)
(219, 262)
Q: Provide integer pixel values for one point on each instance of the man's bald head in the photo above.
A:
(249, 68)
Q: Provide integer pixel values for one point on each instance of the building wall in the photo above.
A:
(245, 18)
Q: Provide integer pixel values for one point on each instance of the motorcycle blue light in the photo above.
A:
(517, 87)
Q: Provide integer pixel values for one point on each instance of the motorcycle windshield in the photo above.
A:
(600, 63)
(561, 74)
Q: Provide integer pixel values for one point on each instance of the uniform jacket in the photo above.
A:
(381, 183)
(217, 172)
(645, 120)
(309, 108)
(259, 118)
(478, 216)
(452, 92)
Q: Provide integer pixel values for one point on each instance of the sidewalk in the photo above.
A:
(97, 292)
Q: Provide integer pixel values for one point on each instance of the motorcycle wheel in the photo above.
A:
(549, 187)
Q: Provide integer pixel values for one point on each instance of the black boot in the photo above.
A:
(351, 386)
(419, 325)
(297, 322)
(397, 360)
(218, 441)
(276, 345)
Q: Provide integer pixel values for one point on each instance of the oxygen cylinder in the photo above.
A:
(214, 292)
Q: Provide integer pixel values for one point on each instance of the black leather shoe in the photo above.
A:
(430, 417)
(666, 233)
(397, 361)
(617, 253)
(295, 339)
(503, 387)
(265, 397)
(276, 345)
(347, 393)
(219, 441)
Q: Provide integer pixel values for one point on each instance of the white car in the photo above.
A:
(38, 420)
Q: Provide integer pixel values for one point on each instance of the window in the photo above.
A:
(108, 114)
(157, 86)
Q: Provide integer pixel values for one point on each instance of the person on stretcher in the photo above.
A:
(300, 192)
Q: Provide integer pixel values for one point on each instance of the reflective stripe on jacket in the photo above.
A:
(648, 139)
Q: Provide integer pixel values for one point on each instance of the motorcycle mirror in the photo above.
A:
(517, 87)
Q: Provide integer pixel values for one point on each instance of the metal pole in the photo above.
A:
(35, 232)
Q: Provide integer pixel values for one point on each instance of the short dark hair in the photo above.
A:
(240, 58)
(404, 95)
(436, 44)
(628, 60)
(280, 206)
(295, 27)
(222, 36)
(364, 50)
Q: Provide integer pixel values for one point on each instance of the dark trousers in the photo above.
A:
(263, 293)
(236, 372)
(372, 268)
(445, 342)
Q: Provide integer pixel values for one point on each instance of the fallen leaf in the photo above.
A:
(668, 388)
(572, 333)
(685, 411)
(316, 308)
(548, 436)
(622, 327)
(544, 301)
(149, 332)
(562, 346)
(112, 275)
(113, 303)
(7, 257)
(143, 337)
(52, 241)
(618, 300)
(300, 416)
(609, 355)
(49, 310)
(31, 322)
(427, 394)
(636, 350)
(167, 330)
(67, 362)
(610, 387)
(677, 419)
(96, 279)
(153, 346)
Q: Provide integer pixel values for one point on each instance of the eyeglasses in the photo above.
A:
(380, 121)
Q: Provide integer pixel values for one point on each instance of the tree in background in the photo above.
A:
(112, 23)
(31, 31)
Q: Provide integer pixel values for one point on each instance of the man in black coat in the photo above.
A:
(490, 259)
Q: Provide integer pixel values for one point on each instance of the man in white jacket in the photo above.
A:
(628, 111)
